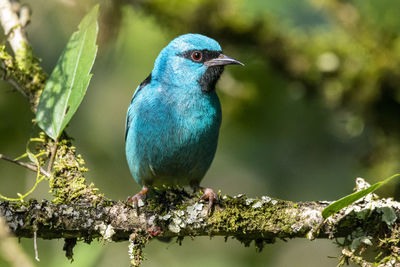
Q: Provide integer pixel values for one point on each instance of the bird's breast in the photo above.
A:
(173, 138)
(195, 118)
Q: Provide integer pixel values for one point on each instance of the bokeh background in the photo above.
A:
(316, 106)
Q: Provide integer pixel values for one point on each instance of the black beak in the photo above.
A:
(222, 60)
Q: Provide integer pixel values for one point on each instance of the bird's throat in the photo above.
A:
(210, 77)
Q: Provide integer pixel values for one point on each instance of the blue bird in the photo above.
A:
(173, 120)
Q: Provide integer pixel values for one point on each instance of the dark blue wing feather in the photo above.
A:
(141, 85)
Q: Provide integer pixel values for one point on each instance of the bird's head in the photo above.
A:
(191, 59)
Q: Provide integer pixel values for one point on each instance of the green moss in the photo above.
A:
(238, 217)
(25, 59)
(389, 248)
(6, 58)
(163, 200)
(67, 182)
(25, 71)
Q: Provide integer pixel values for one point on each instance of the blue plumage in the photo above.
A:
(174, 117)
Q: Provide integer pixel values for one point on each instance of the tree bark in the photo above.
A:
(261, 219)
(370, 222)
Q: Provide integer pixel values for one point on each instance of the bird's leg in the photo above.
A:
(134, 200)
(209, 194)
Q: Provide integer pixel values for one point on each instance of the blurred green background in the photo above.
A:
(316, 106)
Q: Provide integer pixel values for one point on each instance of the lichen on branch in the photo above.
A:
(370, 224)
(22, 70)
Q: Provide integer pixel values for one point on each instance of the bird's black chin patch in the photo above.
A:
(210, 78)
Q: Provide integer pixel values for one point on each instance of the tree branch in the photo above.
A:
(26, 165)
(175, 213)
(13, 29)
(240, 217)
(22, 71)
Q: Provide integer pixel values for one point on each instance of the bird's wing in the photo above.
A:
(141, 85)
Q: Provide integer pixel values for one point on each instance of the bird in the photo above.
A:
(174, 117)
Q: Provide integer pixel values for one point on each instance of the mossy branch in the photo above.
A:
(23, 70)
(371, 222)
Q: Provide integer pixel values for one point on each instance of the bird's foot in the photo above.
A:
(209, 194)
(134, 200)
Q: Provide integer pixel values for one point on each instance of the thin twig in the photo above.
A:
(53, 155)
(25, 164)
(35, 246)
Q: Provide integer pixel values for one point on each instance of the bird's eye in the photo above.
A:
(197, 56)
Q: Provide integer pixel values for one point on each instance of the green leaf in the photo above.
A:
(70, 78)
(350, 199)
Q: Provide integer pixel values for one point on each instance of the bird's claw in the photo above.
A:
(211, 196)
(134, 200)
